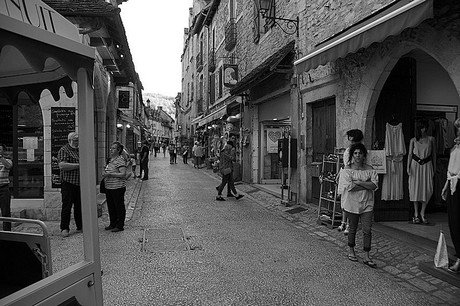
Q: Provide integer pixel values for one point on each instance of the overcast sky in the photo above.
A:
(155, 31)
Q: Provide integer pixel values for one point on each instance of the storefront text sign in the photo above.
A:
(38, 14)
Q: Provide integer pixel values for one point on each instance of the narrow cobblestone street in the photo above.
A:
(181, 247)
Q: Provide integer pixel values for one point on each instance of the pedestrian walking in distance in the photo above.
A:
(225, 166)
(357, 184)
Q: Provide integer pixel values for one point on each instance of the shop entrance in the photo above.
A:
(418, 87)
(396, 105)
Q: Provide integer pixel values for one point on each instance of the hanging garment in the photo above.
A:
(395, 149)
(421, 178)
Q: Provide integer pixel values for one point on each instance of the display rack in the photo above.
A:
(329, 210)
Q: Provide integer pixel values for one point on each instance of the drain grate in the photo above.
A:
(170, 239)
(295, 210)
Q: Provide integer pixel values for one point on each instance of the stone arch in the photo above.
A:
(439, 45)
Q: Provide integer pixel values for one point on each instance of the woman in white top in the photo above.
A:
(451, 193)
(115, 182)
(357, 184)
(354, 136)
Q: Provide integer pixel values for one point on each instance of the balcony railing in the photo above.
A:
(211, 60)
(199, 62)
(230, 35)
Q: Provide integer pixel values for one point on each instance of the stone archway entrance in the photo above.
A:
(417, 87)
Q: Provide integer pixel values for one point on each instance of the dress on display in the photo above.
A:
(421, 177)
(395, 149)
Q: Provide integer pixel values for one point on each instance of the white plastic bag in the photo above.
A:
(441, 258)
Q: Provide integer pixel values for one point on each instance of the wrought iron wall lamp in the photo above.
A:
(267, 9)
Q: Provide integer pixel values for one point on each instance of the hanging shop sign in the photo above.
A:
(230, 75)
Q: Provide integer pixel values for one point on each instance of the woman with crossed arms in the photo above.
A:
(357, 184)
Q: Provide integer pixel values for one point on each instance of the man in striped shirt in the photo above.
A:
(69, 163)
(5, 196)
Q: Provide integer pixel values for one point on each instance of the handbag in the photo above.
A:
(226, 171)
(102, 188)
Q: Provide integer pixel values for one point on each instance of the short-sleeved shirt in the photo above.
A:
(358, 201)
(67, 154)
(114, 167)
(4, 174)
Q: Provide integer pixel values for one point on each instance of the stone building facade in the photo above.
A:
(352, 64)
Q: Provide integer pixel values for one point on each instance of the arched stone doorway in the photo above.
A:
(416, 86)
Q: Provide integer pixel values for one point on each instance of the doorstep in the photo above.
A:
(440, 273)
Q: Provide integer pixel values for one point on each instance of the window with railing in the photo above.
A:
(230, 34)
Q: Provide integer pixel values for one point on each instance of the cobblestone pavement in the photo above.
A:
(392, 256)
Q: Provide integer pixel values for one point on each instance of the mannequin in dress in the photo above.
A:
(421, 168)
(451, 194)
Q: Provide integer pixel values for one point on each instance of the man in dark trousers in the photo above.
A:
(145, 160)
(69, 164)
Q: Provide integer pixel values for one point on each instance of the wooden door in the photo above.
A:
(323, 137)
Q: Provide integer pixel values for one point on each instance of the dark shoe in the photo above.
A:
(144, 179)
(352, 257)
(79, 230)
(116, 229)
(230, 195)
(239, 196)
(424, 221)
(370, 263)
(415, 220)
(220, 198)
(108, 228)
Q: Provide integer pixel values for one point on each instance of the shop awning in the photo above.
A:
(40, 49)
(197, 119)
(264, 70)
(391, 20)
(219, 113)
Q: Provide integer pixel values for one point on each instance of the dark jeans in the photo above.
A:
(227, 179)
(5, 205)
(366, 223)
(116, 207)
(145, 168)
(453, 215)
(185, 158)
(70, 196)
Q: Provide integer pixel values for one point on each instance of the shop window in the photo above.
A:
(21, 130)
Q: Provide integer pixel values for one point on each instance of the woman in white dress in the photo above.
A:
(421, 163)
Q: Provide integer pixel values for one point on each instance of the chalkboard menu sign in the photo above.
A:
(62, 123)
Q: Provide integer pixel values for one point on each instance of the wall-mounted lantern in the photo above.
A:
(267, 9)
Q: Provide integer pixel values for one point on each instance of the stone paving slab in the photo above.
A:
(392, 256)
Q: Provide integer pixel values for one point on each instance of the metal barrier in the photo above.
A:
(25, 257)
